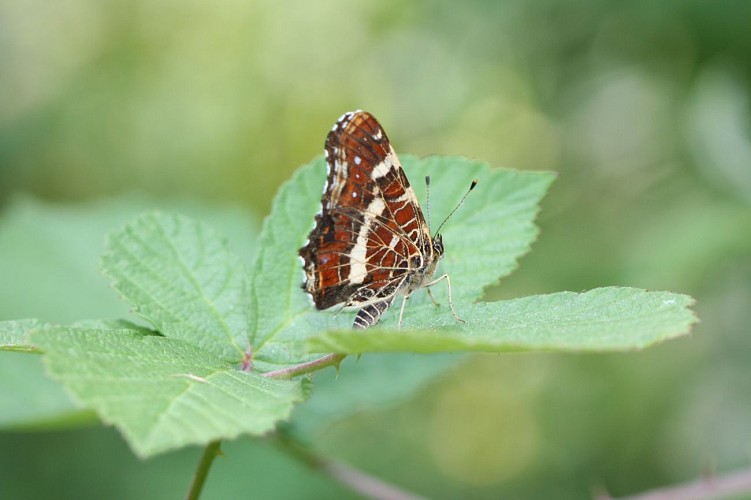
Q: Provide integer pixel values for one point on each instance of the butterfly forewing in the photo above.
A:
(370, 237)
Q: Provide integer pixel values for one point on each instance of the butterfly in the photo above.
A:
(371, 242)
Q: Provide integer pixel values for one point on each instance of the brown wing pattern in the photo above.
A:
(370, 235)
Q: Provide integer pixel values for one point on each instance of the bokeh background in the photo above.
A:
(642, 107)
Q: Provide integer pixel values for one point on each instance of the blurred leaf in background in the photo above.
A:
(642, 108)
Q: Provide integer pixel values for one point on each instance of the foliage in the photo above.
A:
(181, 382)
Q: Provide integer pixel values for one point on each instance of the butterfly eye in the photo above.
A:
(438, 244)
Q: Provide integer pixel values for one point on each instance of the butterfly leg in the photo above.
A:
(339, 309)
(401, 311)
(432, 299)
(370, 314)
(451, 302)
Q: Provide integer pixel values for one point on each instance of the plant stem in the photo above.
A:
(366, 485)
(204, 464)
(310, 366)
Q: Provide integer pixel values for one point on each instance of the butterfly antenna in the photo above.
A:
(471, 187)
(427, 197)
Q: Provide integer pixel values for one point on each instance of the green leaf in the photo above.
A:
(181, 276)
(14, 334)
(604, 319)
(182, 386)
(484, 240)
(44, 248)
(163, 393)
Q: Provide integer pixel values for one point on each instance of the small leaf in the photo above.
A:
(180, 275)
(604, 319)
(163, 393)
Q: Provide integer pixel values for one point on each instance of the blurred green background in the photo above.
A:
(642, 107)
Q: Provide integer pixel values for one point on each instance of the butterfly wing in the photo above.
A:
(370, 235)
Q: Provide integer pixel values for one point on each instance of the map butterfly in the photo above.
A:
(370, 242)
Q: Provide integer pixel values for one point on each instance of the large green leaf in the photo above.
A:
(163, 393)
(604, 319)
(484, 239)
